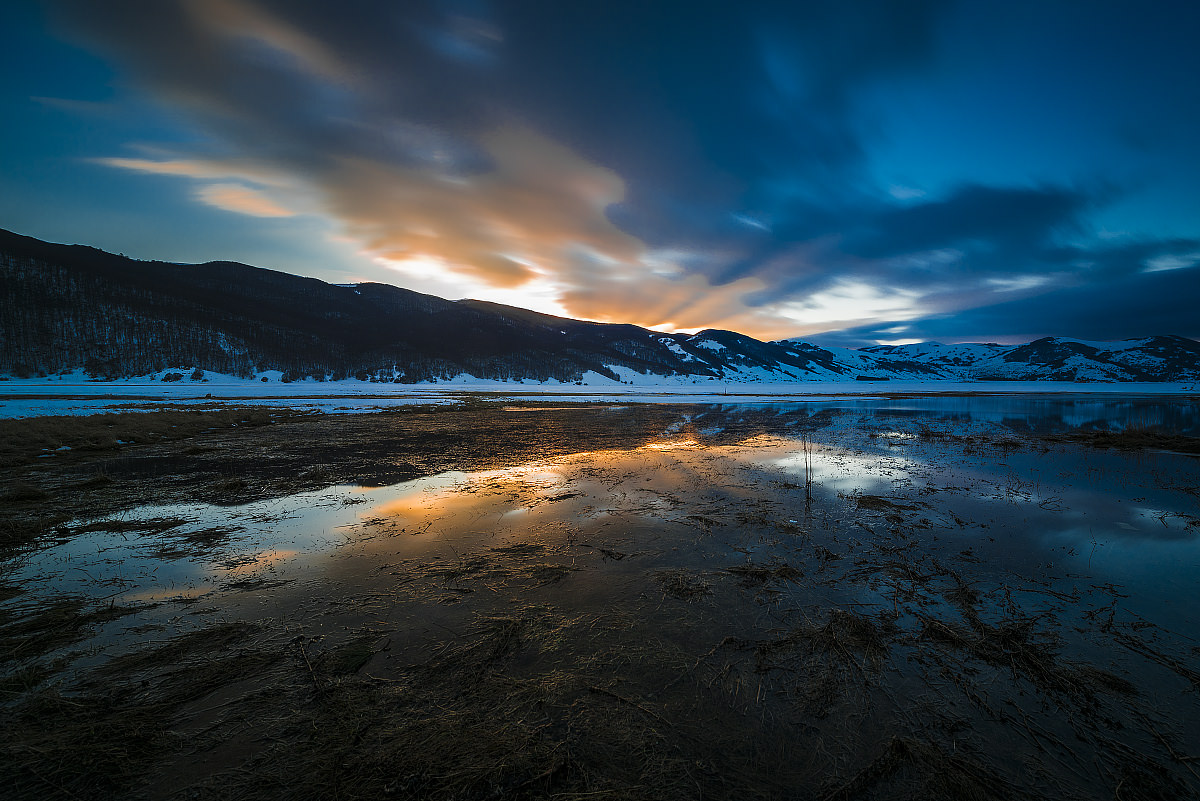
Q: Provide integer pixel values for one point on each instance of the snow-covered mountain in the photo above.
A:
(1158, 358)
(70, 307)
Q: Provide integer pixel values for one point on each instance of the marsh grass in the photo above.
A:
(97, 480)
(539, 702)
(1131, 439)
(853, 638)
(753, 575)
(23, 493)
(56, 468)
(37, 632)
(683, 584)
(65, 746)
(550, 573)
(21, 533)
(148, 527)
(24, 440)
(511, 708)
(349, 657)
(95, 739)
(910, 769)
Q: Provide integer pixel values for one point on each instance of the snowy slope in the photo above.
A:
(1163, 358)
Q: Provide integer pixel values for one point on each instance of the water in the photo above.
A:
(829, 567)
(1129, 518)
(1041, 414)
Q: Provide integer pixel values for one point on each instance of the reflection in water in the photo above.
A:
(1114, 517)
(1028, 413)
(805, 574)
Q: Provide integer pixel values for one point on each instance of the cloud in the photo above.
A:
(252, 191)
(601, 160)
(498, 204)
(537, 204)
(847, 302)
(1133, 305)
(995, 218)
(83, 108)
(236, 19)
(1171, 261)
(184, 168)
(241, 199)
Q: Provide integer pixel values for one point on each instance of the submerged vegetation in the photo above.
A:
(650, 602)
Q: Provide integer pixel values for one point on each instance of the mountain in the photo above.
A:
(71, 306)
(1158, 358)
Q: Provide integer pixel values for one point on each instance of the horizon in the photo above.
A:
(847, 176)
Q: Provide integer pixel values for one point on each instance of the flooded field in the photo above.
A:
(926, 598)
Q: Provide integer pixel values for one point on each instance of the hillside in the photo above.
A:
(64, 307)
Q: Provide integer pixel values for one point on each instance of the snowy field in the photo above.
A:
(75, 393)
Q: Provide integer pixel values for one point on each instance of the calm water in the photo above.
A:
(821, 575)
(1032, 413)
(1126, 517)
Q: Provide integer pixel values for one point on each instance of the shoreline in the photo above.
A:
(34, 398)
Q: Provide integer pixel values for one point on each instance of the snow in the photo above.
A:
(677, 349)
(73, 394)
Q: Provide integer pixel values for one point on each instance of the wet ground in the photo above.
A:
(920, 598)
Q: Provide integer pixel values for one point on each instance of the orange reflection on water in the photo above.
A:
(464, 499)
(157, 594)
(673, 446)
(249, 565)
(576, 492)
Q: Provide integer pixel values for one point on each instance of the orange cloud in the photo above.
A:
(521, 219)
(647, 299)
(202, 169)
(241, 199)
(188, 168)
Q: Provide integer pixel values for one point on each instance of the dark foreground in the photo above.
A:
(628, 602)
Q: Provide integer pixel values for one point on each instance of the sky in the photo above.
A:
(849, 172)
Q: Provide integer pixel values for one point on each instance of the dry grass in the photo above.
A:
(1132, 439)
(24, 493)
(910, 769)
(753, 575)
(22, 441)
(37, 632)
(682, 584)
(96, 739)
(56, 468)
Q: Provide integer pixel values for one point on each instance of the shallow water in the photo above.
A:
(1126, 518)
(736, 536)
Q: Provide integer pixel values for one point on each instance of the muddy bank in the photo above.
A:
(636, 602)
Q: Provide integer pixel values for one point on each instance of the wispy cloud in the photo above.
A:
(241, 199)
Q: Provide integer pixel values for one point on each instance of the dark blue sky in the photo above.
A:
(850, 172)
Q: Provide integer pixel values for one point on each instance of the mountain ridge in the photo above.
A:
(65, 307)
